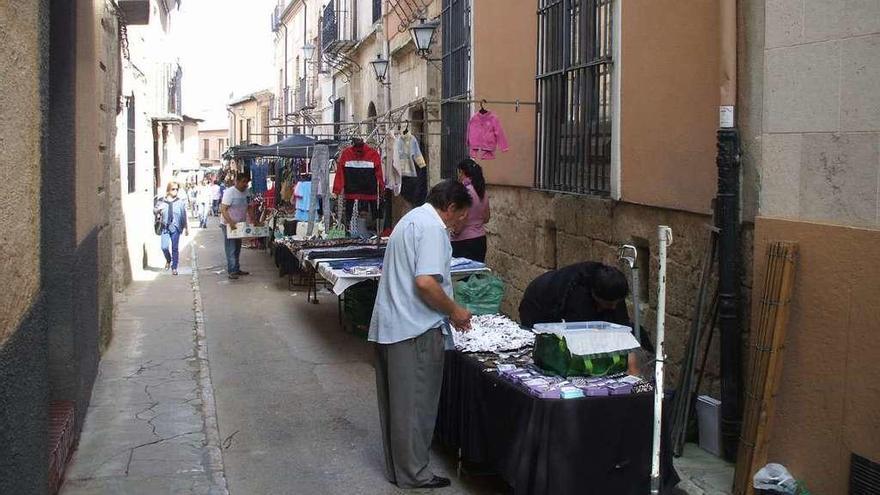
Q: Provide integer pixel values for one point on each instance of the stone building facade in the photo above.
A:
(658, 147)
(249, 118)
(212, 143)
(807, 113)
(335, 92)
(60, 95)
(813, 135)
(150, 132)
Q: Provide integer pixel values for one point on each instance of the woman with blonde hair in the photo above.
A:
(172, 210)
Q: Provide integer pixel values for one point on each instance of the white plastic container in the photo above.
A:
(709, 424)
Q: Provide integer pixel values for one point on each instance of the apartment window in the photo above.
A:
(249, 129)
(206, 147)
(219, 148)
(574, 95)
(130, 117)
(377, 10)
(240, 131)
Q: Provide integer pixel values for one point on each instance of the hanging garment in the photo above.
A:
(320, 167)
(415, 189)
(303, 194)
(359, 173)
(259, 174)
(485, 135)
(390, 165)
(248, 165)
(408, 155)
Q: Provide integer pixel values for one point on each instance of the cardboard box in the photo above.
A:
(245, 230)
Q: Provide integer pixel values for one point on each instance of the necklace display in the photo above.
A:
(493, 333)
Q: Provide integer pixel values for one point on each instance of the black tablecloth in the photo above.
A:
(285, 260)
(594, 445)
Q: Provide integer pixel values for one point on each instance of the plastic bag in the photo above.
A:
(552, 354)
(775, 478)
(480, 294)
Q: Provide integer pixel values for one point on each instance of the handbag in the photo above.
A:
(158, 224)
(157, 218)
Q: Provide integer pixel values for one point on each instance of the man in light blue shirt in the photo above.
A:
(413, 303)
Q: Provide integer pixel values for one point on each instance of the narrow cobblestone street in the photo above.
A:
(295, 395)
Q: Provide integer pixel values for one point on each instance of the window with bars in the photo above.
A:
(131, 156)
(574, 96)
(377, 10)
(456, 60)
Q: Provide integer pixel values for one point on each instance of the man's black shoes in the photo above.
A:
(437, 482)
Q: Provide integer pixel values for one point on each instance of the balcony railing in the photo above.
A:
(338, 28)
(275, 19)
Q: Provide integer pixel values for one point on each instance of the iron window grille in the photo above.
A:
(456, 59)
(574, 96)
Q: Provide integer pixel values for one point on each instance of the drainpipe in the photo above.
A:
(232, 137)
(286, 87)
(728, 199)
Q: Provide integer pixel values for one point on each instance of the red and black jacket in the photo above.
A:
(359, 173)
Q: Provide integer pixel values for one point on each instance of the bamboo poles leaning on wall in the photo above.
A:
(765, 364)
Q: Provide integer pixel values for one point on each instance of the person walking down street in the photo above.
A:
(234, 209)
(204, 200)
(470, 241)
(216, 196)
(413, 307)
(173, 213)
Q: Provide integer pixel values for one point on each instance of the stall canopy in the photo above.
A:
(296, 146)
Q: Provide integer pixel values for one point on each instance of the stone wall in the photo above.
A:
(821, 132)
(113, 255)
(21, 63)
(531, 232)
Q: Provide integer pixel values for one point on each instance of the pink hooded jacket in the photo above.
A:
(485, 135)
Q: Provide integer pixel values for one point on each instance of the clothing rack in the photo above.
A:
(365, 122)
(517, 103)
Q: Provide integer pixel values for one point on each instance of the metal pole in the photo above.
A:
(664, 234)
(634, 271)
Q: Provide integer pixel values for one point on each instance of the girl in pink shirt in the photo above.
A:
(470, 240)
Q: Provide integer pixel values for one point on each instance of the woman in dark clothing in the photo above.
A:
(172, 209)
(587, 291)
(470, 241)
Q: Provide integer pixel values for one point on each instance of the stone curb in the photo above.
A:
(213, 460)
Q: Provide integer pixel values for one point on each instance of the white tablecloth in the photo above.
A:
(342, 281)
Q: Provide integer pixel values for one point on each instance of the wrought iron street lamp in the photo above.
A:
(380, 68)
(308, 51)
(423, 35)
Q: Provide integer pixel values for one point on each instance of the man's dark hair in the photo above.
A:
(449, 193)
(242, 176)
(609, 284)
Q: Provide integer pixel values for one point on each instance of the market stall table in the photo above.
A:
(590, 445)
(291, 257)
(340, 280)
(316, 259)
